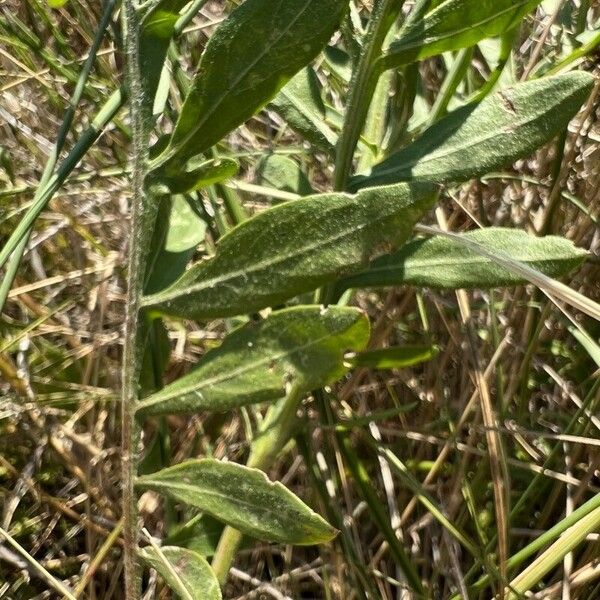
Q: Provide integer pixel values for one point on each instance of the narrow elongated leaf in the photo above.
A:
(303, 345)
(301, 105)
(477, 139)
(200, 174)
(249, 58)
(444, 263)
(395, 357)
(452, 25)
(155, 35)
(243, 498)
(184, 571)
(294, 248)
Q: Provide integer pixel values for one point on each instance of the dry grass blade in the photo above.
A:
(52, 582)
(574, 536)
(556, 289)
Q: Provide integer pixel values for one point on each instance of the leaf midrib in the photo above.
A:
(441, 262)
(469, 143)
(237, 372)
(278, 258)
(236, 82)
(450, 34)
(210, 492)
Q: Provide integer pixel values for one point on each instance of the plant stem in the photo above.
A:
(362, 87)
(275, 432)
(132, 354)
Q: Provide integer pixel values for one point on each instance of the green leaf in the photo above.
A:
(304, 345)
(184, 571)
(339, 63)
(200, 534)
(301, 105)
(452, 25)
(177, 240)
(396, 357)
(477, 139)
(243, 498)
(156, 30)
(439, 262)
(283, 174)
(294, 248)
(186, 228)
(198, 174)
(249, 58)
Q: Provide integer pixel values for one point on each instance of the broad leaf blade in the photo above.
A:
(445, 263)
(477, 139)
(294, 248)
(301, 105)
(184, 571)
(303, 345)
(249, 58)
(243, 498)
(452, 25)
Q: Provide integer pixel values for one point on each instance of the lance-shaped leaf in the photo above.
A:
(243, 498)
(184, 571)
(301, 105)
(452, 25)
(304, 346)
(294, 248)
(395, 357)
(440, 262)
(252, 54)
(156, 30)
(477, 139)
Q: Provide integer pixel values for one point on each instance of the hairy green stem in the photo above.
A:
(132, 353)
(275, 432)
(362, 87)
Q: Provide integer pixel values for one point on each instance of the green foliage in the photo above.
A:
(282, 173)
(179, 233)
(155, 34)
(300, 103)
(477, 139)
(452, 25)
(242, 497)
(198, 174)
(300, 346)
(332, 243)
(185, 571)
(237, 76)
(294, 248)
(439, 262)
(397, 357)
